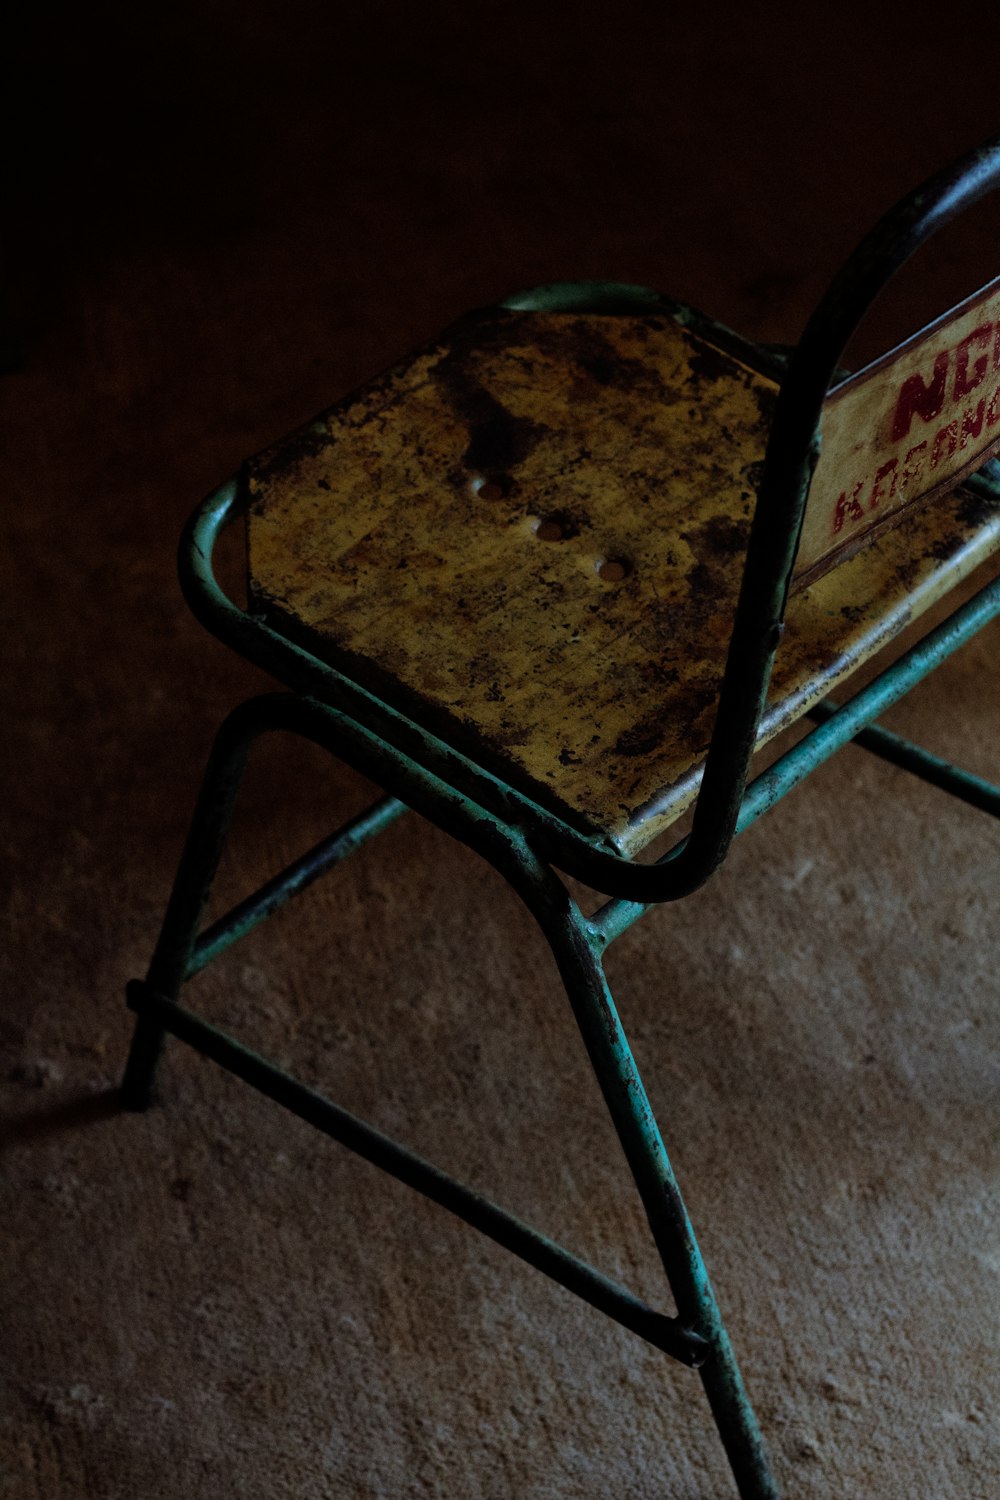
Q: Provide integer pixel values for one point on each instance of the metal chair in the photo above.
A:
(533, 583)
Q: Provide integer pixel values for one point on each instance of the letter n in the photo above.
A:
(919, 399)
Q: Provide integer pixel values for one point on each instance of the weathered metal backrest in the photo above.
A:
(793, 453)
(904, 429)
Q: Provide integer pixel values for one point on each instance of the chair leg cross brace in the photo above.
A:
(697, 1336)
(665, 1333)
(934, 769)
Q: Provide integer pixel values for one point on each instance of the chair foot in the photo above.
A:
(138, 1080)
(192, 883)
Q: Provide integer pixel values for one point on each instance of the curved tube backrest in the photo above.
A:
(792, 453)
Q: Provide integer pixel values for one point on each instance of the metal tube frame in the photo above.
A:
(527, 843)
(697, 1335)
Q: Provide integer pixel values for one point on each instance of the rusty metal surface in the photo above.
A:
(530, 537)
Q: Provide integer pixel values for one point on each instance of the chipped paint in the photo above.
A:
(442, 534)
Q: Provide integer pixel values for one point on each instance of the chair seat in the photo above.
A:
(529, 537)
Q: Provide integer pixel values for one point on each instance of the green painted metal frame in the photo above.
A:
(527, 844)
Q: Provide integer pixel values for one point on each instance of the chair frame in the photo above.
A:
(527, 844)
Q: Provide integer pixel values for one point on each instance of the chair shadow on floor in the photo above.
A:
(57, 1117)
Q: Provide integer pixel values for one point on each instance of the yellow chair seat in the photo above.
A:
(529, 537)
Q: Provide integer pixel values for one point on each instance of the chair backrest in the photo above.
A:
(793, 452)
(906, 428)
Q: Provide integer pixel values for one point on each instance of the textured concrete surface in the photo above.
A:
(225, 220)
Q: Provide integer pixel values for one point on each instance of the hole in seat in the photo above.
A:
(489, 490)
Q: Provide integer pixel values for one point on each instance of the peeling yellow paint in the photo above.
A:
(445, 535)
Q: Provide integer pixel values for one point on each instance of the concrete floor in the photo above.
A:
(225, 218)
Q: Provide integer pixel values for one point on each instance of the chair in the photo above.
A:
(533, 583)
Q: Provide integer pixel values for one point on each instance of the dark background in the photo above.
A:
(390, 163)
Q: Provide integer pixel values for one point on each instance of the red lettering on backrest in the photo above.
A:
(993, 410)
(911, 472)
(918, 398)
(947, 437)
(972, 423)
(848, 508)
(966, 380)
(878, 493)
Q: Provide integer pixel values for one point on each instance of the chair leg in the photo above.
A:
(576, 947)
(576, 951)
(195, 873)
